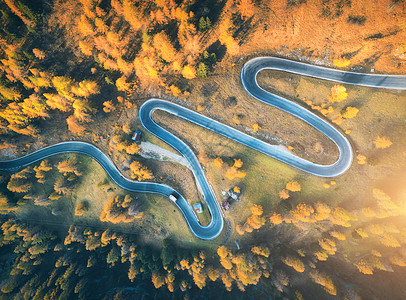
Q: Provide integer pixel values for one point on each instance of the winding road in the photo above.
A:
(249, 80)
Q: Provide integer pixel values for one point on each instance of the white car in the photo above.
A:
(173, 197)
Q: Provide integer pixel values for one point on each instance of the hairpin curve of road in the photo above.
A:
(249, 74)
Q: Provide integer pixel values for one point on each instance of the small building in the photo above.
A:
(225, 205)
(234, 193)
(136, 136)
(198, 208)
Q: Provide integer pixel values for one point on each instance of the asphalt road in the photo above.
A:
(248, 78)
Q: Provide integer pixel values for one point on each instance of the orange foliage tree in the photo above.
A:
(398, 260)
(164, 47)
(338, 93)
(20, 182)
(338, 235)
(295, 263)
(218, 162)
(81, 208)
(69, 166)
(234, 171)
(256, 127)
(350, 112)
(341, 217)
(284, 194)
(341, 62)
(324, 280)
(245, 8)
(293, 186)
(121, 209)
(140, 172)
(41, 169)
(226, 37)
(364, 267)
(261, 250)
(328, 245)
(255, 221)
(382, 142)
(303, 213)
(276, 219)
(189, 72)
(158, 280)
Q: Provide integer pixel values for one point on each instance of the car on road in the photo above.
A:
(174, 196)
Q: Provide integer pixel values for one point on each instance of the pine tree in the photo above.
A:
(202, 24)
(202, 70)
(208, 23)
(113, 256)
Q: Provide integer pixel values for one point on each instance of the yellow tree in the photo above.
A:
(398, 260)
(132, 14)
(223, 251)
(293, 186)
(364, 267)
(261, 250)
(62, 187)
(189, 72)
(132, 149)
(86, 48)
(140, 172)
(328, 245)
(164, 47)
(213, 273)
(382, 142)
(338, 93)
(284, 194)
(234, 172)
(56, 101)
(120, 209)
(303, 212)
(21, 11)
(81, 208)
(361, 159)
(322, 211)
(157, 280)
(74, 126)
(338, 235)
(256, 127)
(34, 107)
(245, 8)
(257, 210)
(85, 88)
(255, 221)
(108, 106)
(389, 240)
(43, 166)
(218, 162)
(341, 62)
(295, 263)
(226, 37)
(240, 229)
(350, 112)
(68, 166)
(341, 217)
(276, 219)
(324, 280)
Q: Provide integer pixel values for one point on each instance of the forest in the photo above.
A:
(79, 70)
